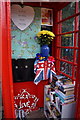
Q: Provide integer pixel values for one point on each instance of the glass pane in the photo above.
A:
(67, 40)
(68, 25)
(79, 22)
(76, 56)
(69, 10)
(75, 71)
(66, 68)
(79, 5)
(67, 54)
(77, 38)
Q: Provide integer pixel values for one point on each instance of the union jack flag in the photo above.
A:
(43, 70)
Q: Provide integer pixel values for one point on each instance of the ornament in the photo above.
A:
(24, 103)
(22, 16)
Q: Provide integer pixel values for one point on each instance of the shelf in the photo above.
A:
(48, 104)
(46, 25)
(48, 96)
(58, 110)
(56, 107)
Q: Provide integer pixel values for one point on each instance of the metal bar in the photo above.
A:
(66, 61)
(76, 14)
(67, 32)
(75, 38)
(77, 87)
(7, 83)
(58, 39)
(60, 72)
(67, 47)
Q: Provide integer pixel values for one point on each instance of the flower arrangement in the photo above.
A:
(39, 57)
(45, 37)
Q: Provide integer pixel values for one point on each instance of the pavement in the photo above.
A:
(37, 114)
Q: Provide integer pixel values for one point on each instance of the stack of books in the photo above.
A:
(56, 78)
(65, 92)
(64, 88)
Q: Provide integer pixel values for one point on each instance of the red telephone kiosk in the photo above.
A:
(16, 90)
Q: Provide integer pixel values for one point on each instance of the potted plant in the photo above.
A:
(44, 38)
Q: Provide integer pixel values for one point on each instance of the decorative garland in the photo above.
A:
(24, 103)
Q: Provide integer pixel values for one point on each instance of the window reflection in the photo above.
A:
(68, 25)
(67, 40)
(69, 10)
(79, 5)
(75, 71)
(67, 54)
(79, 22)
(66, 68)
(77, 38)
(76, 56)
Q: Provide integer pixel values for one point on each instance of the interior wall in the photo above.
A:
(24, 44)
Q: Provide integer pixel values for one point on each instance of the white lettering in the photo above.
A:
(25, 104)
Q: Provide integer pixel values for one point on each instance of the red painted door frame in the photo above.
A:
(7, 84)
(77, 89)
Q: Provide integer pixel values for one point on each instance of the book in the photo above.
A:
(65, 100)
(68, 86)
(65, 90)
(68, 92)
(67, 81)
(64, 87)
(63, 95)
(58, 77)
(69, 101)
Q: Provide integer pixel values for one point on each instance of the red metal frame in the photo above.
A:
(58, 38)
(69, 62)
(78, 83)
(76, 14)
(67, 32)
(58, 47)
(0, 46)
(7, 84)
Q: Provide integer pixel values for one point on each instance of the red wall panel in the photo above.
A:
(37, 90)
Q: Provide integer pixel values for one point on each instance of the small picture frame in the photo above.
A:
(46, 16)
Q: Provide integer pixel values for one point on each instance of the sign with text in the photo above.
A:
(25, 102)
(22, 16)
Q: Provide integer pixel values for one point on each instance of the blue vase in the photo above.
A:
(45, 51)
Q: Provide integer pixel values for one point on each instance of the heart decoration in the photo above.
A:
(22, 17)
